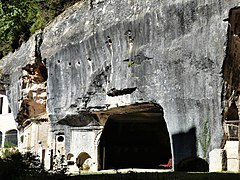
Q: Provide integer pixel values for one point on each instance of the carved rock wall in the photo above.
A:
(111, 53)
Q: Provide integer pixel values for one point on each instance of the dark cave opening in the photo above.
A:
(136, 140)
(232, 113)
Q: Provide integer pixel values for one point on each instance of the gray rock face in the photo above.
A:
(115, 53)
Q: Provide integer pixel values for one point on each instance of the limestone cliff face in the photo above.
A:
(105, 54)
(26, 82)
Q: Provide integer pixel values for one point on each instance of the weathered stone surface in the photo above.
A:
(232, 155)
(26, 80)
(217, 160)
(172, 52)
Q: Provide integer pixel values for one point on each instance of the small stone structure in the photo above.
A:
(231, 148)
(217, 160)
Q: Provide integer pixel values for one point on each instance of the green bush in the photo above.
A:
(16, 17)
(13, 165)
(19, 19)
(8, 144)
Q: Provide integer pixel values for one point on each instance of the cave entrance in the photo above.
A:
(135, 140)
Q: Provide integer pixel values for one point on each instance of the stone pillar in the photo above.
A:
(96, 146)
(217, 160)
(47, 160)
(232, 155)
(3, 139)
(5, 105)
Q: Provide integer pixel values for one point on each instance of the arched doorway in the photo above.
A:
(135, 140)
(11, 139)
(81, 159)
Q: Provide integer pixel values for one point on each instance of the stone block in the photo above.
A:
(231, 148)
(217, 160)
(233, 165)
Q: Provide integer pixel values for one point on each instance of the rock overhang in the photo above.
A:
(100, 116)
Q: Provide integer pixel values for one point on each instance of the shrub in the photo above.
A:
(19, 19)
(14, 165)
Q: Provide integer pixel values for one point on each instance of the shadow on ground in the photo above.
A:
(153, 176)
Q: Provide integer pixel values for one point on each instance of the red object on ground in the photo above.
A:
(168, 165)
